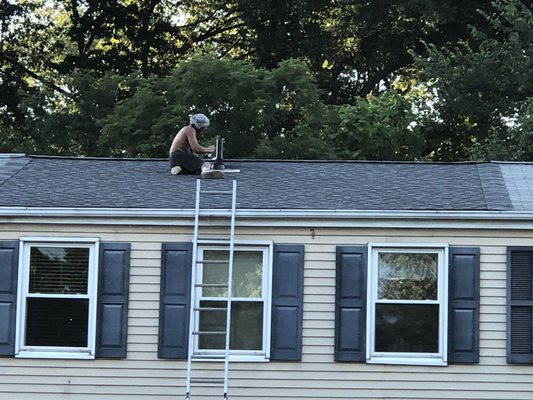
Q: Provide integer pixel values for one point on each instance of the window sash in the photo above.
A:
(372, 300)
(265, 298)
(24, 350)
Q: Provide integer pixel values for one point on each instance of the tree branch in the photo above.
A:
(38, 77)
(214, 32)
(375, 78)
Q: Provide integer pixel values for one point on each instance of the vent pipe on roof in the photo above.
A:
(219, 155)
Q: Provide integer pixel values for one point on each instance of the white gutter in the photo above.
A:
(274, 217)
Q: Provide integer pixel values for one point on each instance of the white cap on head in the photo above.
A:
(200, 121)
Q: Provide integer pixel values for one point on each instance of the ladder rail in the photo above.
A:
(194, 288)
(230, 288)
(195, 309)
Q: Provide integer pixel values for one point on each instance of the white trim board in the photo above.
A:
(273, 218)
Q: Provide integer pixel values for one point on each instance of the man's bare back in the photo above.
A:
(186, 140)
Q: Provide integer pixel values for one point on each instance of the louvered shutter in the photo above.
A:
(8, 295)
(350, 303)
(463, 305)
(287, 302)
(113, 291)
(175, 300)
(520, 305)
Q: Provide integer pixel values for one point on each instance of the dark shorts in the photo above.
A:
(189, 163)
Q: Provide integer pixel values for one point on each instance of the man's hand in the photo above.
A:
(211, 149)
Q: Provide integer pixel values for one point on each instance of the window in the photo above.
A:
(250, 301)
(407, 303)
(276, 311)
(57, 299)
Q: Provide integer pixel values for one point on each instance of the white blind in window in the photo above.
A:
(58, 270)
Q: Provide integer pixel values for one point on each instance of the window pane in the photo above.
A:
(215, 273)
(412, 328)
(407, 276)
(246, 326)
(57, 322)
(247, 273)
(59, 270)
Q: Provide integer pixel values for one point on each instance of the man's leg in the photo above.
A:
(175, 168)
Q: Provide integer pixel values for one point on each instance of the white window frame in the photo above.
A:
(435, 359)
(23, 351)
(239, 355)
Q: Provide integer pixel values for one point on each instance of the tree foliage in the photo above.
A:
(484, 90)
(250, 107)
(399, 80)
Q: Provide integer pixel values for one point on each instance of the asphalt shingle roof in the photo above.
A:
(518, 178)
(38, 181)
(10, 165)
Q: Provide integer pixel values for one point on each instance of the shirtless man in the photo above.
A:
(182, 159)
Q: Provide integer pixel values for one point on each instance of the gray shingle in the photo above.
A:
(10, 165)
(312, 185)
(492, 183)
(518, 179)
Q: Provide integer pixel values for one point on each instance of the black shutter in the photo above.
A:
(8, 295)
(175, 301)
(350, 303)
(287, 302)
(520, 305)
(463, 305)
(113, 288)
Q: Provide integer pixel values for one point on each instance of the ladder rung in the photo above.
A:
(207, 380)
(210, 309)
(209, 333)
(211, 285)
(216, 192)
(212, 261)
(216, 238)
(209, 357)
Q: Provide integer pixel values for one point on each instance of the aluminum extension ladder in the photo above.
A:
(196, 287)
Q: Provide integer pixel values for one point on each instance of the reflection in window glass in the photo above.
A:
(246, 326)
(407, 276)
(247, 273)
(408, 328)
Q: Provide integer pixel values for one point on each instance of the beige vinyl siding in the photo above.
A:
(143, 376)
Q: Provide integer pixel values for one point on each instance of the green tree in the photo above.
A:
(483, 89)
(378, 128)
(353, 47)
(250, 107)
(65, 125)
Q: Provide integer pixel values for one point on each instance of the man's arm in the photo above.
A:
(194, 145)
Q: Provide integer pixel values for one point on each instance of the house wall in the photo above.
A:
(143, 376)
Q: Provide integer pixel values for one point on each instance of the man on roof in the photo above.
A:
(182, 159)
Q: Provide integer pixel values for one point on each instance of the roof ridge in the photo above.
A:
(258, 160)
(44, 156)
